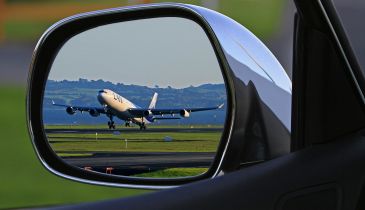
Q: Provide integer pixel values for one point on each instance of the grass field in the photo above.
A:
(23, 181)
(261, 17)
(136, 142)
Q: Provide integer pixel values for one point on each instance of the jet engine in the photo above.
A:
(147, 113)
(70, 110)
(184, 113)
(94, 113)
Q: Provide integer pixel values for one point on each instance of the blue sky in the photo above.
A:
(166, 51)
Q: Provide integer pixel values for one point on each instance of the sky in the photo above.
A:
(166, 51)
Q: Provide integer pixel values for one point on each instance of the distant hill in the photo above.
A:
(83, 93)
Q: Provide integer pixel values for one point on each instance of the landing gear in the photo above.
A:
(142, 126)
(111, 122)
(127, 124)
(111, 125)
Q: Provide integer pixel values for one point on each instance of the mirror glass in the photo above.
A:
(142, 98)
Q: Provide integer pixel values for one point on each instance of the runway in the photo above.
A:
(129, 163)
(132, 162)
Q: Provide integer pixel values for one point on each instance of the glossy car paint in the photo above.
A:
(263, 93)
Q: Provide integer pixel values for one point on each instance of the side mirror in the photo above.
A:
(211, 97)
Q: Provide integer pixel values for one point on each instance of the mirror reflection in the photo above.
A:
(142, 98)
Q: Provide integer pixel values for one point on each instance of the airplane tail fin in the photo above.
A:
(153, 101)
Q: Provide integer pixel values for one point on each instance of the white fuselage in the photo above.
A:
(119, 106)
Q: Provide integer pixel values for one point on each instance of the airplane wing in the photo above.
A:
(165, 118)
(138, 112)
(100, 110)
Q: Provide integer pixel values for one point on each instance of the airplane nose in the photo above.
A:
(101, 97)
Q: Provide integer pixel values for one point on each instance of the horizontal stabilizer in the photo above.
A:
(54, 104)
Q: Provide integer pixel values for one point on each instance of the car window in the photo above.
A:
(352, 14)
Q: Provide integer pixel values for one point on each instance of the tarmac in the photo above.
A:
(131, 163)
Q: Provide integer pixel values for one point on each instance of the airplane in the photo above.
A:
(114, 105)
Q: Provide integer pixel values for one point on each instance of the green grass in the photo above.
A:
(136, 142)
(25, 30)
(261, 17)
(122, 2)
(23, 180)
(74, 154)
(174, 172)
